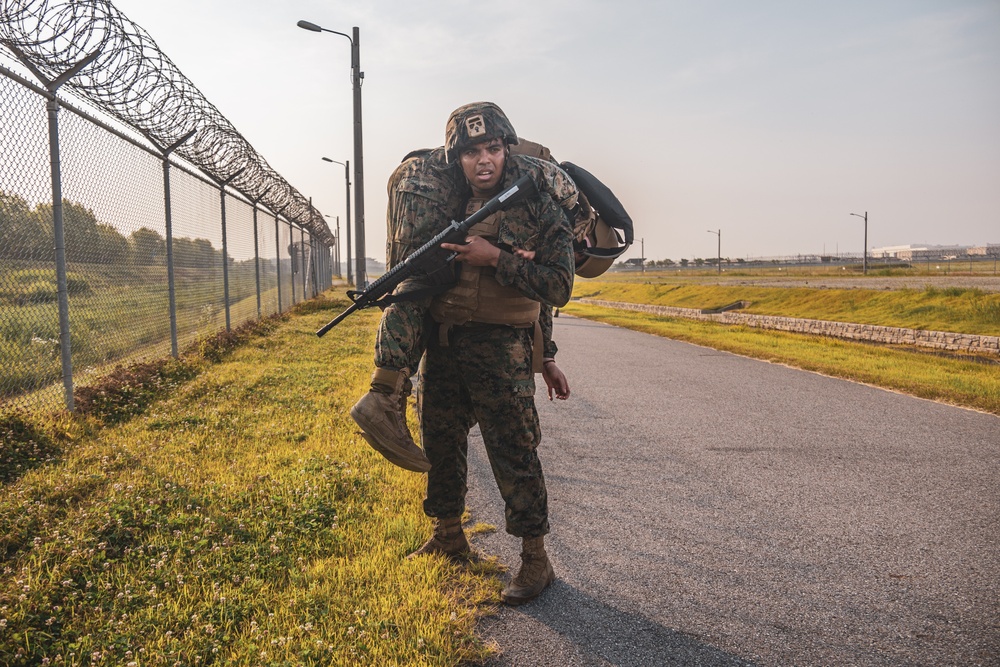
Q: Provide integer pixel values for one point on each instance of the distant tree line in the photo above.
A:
(26, 233)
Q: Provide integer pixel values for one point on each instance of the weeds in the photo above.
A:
(128, 390)
(986, 310)
(23, 446)
(234, 519)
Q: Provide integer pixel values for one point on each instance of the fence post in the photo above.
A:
(302, 261)
(169, 231)
(256, 257)
(277, 250)
(256, 249)
(58, 230)
(65, 351)
(316, 264)
(291, 257)
(225, 245)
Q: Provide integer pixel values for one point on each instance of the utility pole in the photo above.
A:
(864, 260)
(719, 251)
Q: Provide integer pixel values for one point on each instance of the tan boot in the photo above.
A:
(535, 573)
(379, 413)
(448, 540)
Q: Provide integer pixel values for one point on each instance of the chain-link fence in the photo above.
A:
(116, 243)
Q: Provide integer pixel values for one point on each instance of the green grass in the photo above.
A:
(233, 518)
(978, 266)
(115, 312)
(965, 382)
(220, 509)
(957, 310)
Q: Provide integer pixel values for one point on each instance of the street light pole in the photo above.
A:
(347, 180)
(357, 76)
(864, 260)
(359, 177)
(338, 247)
(719, 253)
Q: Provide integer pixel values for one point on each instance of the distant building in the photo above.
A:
(989, 250)
(927, 251)
(373, 267)
(634, 264)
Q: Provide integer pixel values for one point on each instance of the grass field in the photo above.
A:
(220, 509)
(956, 309)
(965, 381)
(226, 513)
(115, 312)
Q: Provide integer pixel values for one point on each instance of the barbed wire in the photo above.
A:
(132, 80)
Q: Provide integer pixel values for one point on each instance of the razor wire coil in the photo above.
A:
(133, 81)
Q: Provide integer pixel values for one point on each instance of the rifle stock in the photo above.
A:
(426, 256)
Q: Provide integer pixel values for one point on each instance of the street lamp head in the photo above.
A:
(326, 159)
(306, 25)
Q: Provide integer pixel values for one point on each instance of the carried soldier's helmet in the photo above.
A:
(474, 123)
(601, 239)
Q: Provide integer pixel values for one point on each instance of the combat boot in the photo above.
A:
(379, 413)
(535, 573)
(448, 540)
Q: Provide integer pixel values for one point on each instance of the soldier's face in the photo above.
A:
(482, 165)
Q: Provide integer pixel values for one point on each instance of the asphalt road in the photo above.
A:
(709, 509)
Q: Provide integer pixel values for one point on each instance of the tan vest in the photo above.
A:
(478, 297)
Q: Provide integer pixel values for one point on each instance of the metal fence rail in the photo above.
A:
(115, 244)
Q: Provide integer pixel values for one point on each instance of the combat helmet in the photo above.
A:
(598, 242)
(473, 123)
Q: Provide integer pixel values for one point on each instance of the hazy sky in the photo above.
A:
(771, 121)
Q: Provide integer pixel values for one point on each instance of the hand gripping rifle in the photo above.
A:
(430, 256)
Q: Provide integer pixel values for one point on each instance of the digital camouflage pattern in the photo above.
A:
(425, 194)
(473, 123)
(484, 376)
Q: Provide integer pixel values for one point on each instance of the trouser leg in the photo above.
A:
(381, 413)
(402, 335)
(505, 408)
(446, 417)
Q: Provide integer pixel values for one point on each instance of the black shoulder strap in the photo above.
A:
(601, 198)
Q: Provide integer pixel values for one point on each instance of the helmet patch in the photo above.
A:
(475, 126)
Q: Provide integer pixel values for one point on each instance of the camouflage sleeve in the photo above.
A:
(549, 177)
(423, 199)
(549, 348)
(548, 278)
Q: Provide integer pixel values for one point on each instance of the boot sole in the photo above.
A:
(394, 457)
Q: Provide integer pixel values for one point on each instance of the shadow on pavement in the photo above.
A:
(568, 627)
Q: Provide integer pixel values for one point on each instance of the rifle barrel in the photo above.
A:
(389, 280)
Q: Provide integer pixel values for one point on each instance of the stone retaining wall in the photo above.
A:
(941, 340)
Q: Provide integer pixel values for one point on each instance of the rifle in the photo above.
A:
(430, 255)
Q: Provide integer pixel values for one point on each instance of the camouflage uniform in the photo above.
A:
(425, 194)
(484, 376)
